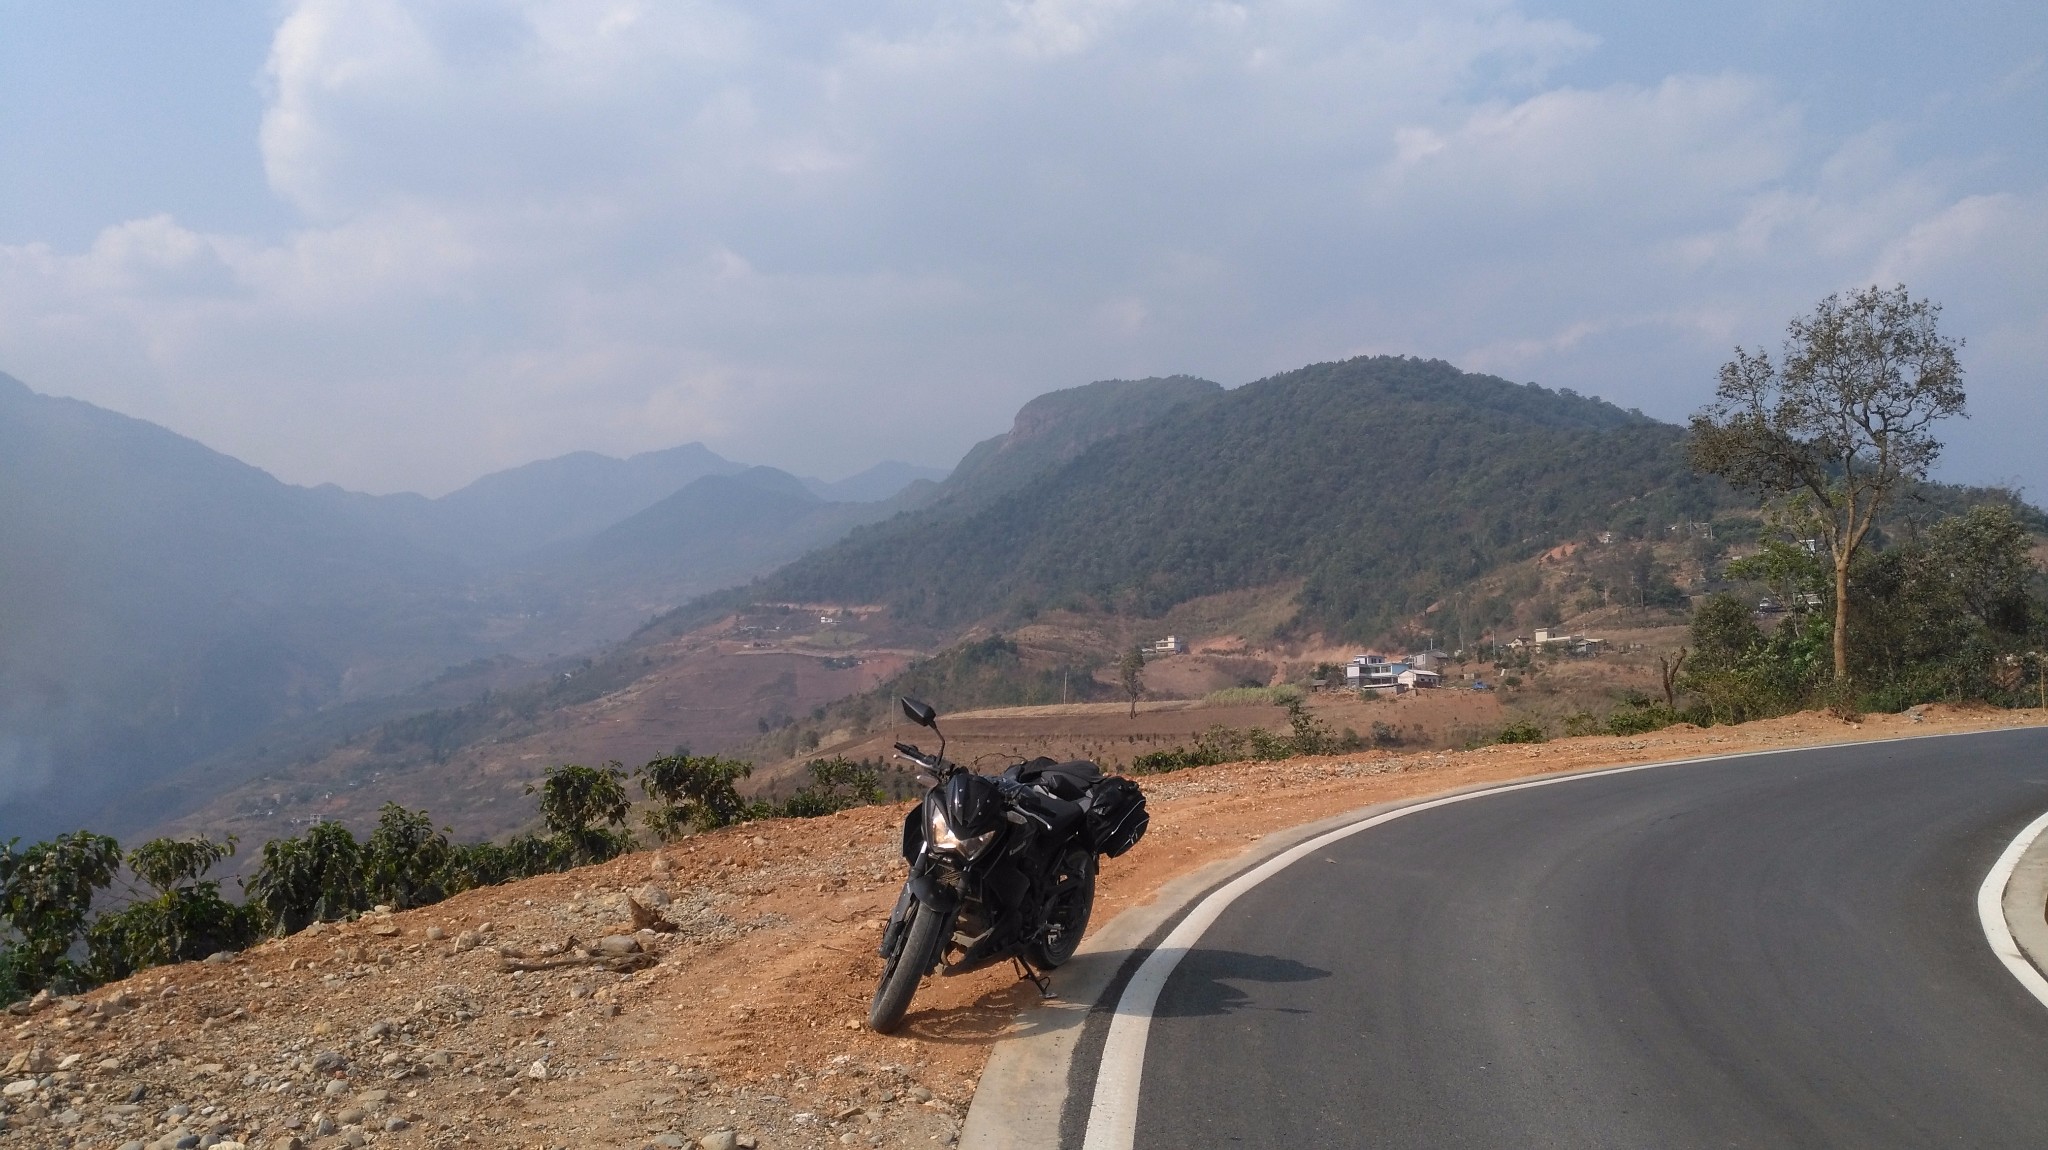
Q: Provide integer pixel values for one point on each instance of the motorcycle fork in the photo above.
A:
(892, 933)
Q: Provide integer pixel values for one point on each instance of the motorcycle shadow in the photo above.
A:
(1208, 982)
(1211, 982)
(993, 1015)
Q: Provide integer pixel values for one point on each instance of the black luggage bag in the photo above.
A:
(1116, 815)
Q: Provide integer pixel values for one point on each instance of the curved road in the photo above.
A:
(1779, 950)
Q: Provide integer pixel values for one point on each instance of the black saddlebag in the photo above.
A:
(1116, 815)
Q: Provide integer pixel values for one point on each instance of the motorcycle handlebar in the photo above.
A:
(928, 762)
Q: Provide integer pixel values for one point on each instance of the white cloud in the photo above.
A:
(532, 227)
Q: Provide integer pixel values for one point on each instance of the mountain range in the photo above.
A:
(185, 641)
(161, 602)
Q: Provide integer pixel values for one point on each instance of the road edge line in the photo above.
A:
(1992, 910)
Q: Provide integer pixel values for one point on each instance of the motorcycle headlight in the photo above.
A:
(943, 838)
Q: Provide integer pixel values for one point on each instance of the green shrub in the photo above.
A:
(1523, 731)
(406, 863)
(314, 878)
(584, 807)
(694, 791)
(186, 920)
(46, 892)
(837, 784)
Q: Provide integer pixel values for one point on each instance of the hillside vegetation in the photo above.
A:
(1382, 484)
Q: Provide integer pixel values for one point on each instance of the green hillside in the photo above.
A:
(1056, 427)
(1381, 483)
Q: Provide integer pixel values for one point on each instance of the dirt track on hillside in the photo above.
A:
(745, 1020)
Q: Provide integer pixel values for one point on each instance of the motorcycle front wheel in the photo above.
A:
(1073, 901)
(901, 974)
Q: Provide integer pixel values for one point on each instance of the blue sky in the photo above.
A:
(396, 245)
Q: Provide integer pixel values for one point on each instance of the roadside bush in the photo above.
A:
(1583, 723)
(317, 877)
(585, 807)
(1524, 731)
(694, 792)
(46, 892)
(1307, 735)
(837, 784)
(406, 863)
(186, 920)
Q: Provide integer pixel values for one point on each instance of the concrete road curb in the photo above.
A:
(2025, 903)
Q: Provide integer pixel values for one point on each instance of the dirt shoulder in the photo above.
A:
(740, 1027)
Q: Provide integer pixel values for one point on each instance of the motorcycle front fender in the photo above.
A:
(927, 890)
(921, 889)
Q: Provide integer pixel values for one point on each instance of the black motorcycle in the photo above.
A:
(1001, 867)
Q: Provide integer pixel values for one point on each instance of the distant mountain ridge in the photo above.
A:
(1382, 483)
(885, 480)
(160, 601)
(1058, 426)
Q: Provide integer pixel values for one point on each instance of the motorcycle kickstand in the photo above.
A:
(1027, 974)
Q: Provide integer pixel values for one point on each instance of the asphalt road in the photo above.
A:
(1773, 951)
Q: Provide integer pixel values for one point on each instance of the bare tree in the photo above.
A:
(1130, 671)
(1670, 667)
(1841, 425)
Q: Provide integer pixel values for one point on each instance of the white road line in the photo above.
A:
(1113, 1116)
(1991, 912)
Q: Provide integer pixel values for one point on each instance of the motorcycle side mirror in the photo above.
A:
(920, 713)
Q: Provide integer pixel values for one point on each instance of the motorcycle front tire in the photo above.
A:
(901, 974)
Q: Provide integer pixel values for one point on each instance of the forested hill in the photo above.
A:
(1056, 427)
(1380, 483)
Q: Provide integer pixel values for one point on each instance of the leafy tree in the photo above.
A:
(187, 919)
(315, 877)
(407, 861)
(46, 892)
(1724, 633)
(693, 791)
(1796, 576)
(1841, 425)
(168, 865)
(584, 807)
(1936, 616)
(1130, 673)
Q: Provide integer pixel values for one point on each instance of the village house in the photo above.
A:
(1171, 645)
(1379, 673)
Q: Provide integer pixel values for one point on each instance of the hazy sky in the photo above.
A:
(396, 245)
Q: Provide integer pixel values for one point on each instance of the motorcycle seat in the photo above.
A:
(1063, 815)
(1069, 780)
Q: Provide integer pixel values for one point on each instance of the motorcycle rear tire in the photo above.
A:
(922, 939)
(1071, 906)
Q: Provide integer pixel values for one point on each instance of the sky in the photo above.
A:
(399, 245)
